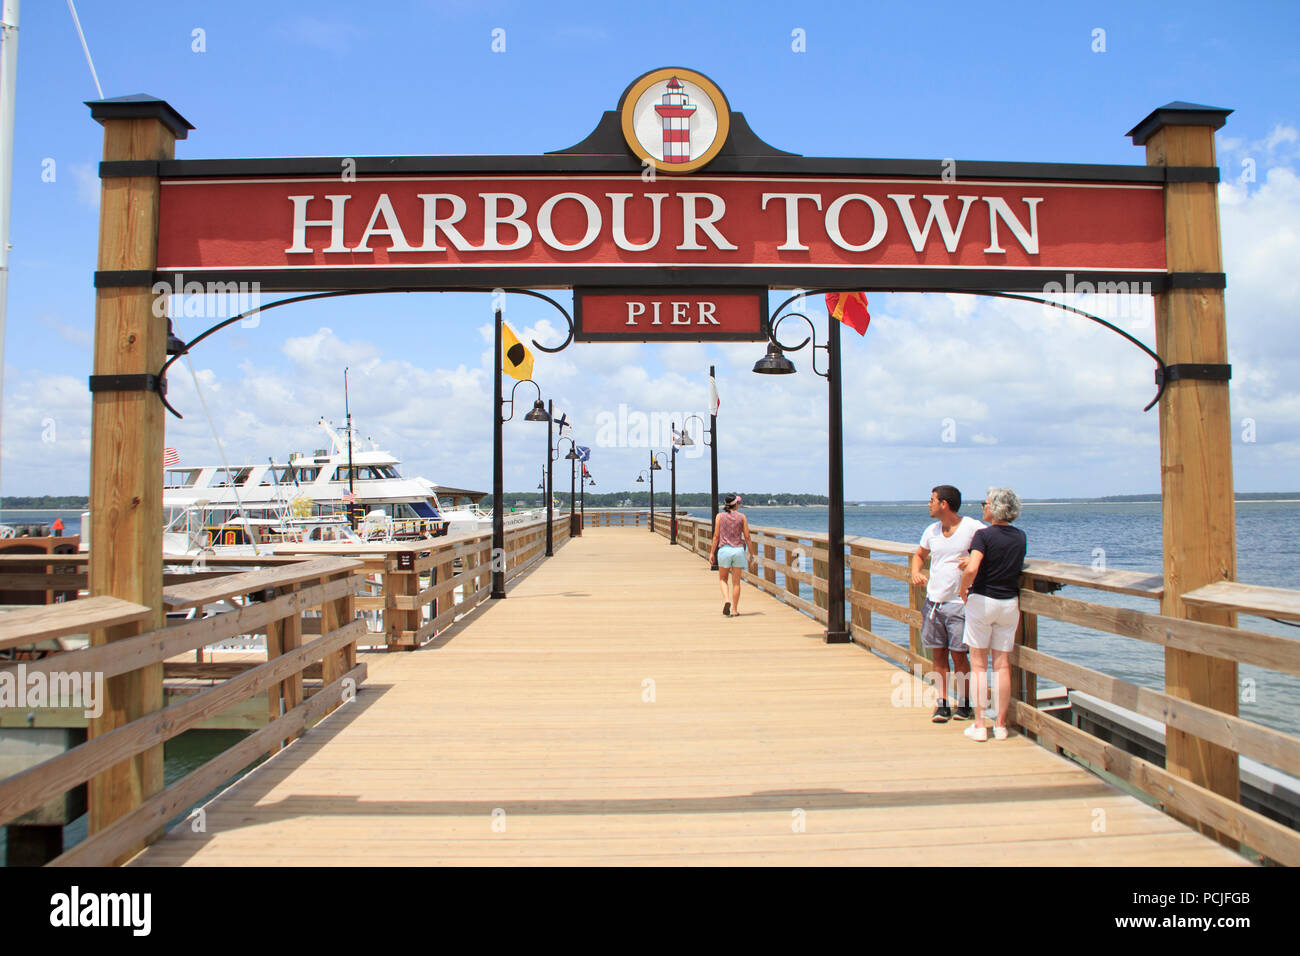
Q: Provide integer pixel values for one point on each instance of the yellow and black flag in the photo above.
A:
(516, 360)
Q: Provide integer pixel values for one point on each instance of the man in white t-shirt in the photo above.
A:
(943, 621)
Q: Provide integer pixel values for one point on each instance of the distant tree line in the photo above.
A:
(641, 499)
(45, 501)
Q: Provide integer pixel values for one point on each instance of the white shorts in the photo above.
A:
(991, 622)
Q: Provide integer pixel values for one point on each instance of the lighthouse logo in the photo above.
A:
(675, 119)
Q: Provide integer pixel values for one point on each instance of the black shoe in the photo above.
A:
(964, 712)
(941, 714)
(726, 609)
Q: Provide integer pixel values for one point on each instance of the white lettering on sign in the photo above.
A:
(301, 223)
(1028, 238)
(433, 223)
(692, 221)
(618, 221)
(548, 234)
(508, 223)
(701, 312)
(390, 228)
(791, 201)
(879, 219)
(938, 215)
(492, 220)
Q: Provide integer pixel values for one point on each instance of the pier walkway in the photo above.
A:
(607, 713)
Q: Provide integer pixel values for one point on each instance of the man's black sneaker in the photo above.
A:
(964, 712)
(941, 714)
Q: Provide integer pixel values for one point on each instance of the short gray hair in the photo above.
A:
(1003, 504)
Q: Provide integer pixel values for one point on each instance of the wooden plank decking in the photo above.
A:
(527, 737)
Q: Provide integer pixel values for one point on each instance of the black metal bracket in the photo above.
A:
(1191, 370)
(128, 383)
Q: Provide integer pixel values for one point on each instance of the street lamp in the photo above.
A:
(654, 466)
(538, 414)
(678, 440)
(584, 480)
(572, 457)
(711, 441)
(775, 363)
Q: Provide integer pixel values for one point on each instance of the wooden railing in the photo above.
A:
(617, 519)
(417, 589)
(790, 560)
(270, 601)
(311, 609)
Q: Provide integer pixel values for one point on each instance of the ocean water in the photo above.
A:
(1125, 535)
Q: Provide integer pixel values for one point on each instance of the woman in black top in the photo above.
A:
(990, 586)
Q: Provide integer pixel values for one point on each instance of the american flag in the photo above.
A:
(349, 497)
(170, 458)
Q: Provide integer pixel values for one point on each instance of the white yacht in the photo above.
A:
(211, 506)
(306, 499)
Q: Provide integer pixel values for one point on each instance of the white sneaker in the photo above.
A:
(999, 733)
(979, 734)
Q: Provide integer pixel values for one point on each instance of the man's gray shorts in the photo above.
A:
(942, 626)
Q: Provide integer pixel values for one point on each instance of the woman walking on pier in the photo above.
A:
(990, 586)
(730, 549)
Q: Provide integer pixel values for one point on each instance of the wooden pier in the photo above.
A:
(607, 713)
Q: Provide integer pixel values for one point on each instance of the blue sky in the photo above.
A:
(1044, 403)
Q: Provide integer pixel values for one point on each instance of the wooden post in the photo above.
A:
(821, 575)
(769, 555)
(1024, 683)
(860, 581)
(1198, 512)
(791, 561)
(126, 435)
(282, 637)
(916, 601)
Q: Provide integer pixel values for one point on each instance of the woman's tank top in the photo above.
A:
(730, 534)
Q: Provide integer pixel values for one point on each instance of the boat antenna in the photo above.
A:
(347, 410)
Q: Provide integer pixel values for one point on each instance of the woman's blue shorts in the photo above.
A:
(732, 557)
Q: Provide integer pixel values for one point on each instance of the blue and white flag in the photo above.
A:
(563, 422)
(584, 453)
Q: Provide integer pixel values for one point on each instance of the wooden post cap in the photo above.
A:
(141, 106)
(1177, 113)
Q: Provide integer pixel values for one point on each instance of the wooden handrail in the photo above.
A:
(1241, 736)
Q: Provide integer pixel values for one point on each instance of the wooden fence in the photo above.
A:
(311, 607)
(789, 558)
(269, 600)
(617, 519)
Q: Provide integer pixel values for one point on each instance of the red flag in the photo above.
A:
(170, 457)
(850, 308)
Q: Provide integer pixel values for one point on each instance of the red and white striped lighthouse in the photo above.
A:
(676, 112)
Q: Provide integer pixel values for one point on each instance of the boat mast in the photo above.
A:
(347, 409)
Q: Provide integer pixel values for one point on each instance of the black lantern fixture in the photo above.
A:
(774, 362)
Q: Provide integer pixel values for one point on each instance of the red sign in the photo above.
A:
(689, 315)
(604, 222)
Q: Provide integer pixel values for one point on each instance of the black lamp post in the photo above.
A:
(538, 414)
(775, 363)
(672, 517)
(573, 458)
(710, 440)
(654, 466)
(584, 480)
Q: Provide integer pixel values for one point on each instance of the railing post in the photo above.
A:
(1024, 683)
(791, 561)
(769, 555)
(821, 571)
(916, 601)
(335, 614)
(126, 442)
(1195, 435)
(282, 637)
(860, 581)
